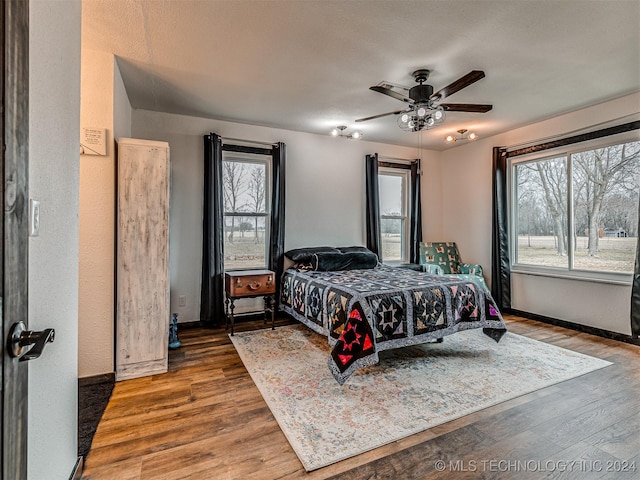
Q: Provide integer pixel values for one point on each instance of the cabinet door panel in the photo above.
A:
(143, 260)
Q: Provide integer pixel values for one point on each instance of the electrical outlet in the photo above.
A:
(182, 300)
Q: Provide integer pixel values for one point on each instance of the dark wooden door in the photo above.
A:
(14, 230)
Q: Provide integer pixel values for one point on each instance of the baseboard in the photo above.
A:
(238, 317)
(78, 468)
(600, 332)
(195, 324)
(96, 379)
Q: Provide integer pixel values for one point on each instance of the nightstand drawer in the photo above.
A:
(249, 283)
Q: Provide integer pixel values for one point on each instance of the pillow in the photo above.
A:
(330, 261)
(354, 249)
(304, 255)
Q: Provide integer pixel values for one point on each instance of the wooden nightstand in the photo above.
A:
(250, 284)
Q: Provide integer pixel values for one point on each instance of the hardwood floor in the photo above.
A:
(206, 419)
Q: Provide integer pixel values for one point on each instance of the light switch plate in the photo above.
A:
(34, 218)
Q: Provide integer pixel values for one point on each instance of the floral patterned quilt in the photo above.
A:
(363, 312)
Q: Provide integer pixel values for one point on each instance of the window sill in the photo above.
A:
(624, 279)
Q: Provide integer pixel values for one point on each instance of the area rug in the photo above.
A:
(410, 390)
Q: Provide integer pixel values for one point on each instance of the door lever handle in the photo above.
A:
(19, 338)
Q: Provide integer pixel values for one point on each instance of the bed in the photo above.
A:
(364, 311)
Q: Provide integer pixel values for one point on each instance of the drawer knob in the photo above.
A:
(238, 283)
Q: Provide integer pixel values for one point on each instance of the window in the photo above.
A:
(394, 185)
(577, 211)
(541, 222)
(247, 197)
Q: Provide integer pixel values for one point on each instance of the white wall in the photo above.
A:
(467, 212)
(104, 104)
(54, 117)
(325, 189)
(431, 188)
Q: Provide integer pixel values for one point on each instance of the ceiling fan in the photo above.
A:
(425, 110)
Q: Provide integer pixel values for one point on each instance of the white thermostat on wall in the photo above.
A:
(93, 141)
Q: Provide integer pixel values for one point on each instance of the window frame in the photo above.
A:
(252, 159)
(403, 172)
(570, 272)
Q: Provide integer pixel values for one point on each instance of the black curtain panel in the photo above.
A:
(373, 205)
(500, 260)
(212, 293)
(416, 214)
(635, 290)
(276, 251)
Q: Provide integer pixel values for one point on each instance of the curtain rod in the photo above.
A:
(518, 146)
(410, 160)
(254, 142)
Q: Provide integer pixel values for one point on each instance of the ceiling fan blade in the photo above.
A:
(391, 93)
(459, 84)
(378, 116)
(390, 85)
(466, 107)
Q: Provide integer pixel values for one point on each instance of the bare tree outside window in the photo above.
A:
(246, 214)
(256, 194)
(233, 175)
(542, 210)
(605, 175)
(606, 189)
(605, 186)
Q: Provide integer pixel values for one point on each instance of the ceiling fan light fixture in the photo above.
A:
(425, 110)
(450, 138)
(421, 117)
(406, 122)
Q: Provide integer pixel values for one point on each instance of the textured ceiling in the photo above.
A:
(307, 65)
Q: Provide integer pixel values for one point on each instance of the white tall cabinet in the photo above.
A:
(142, 258)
